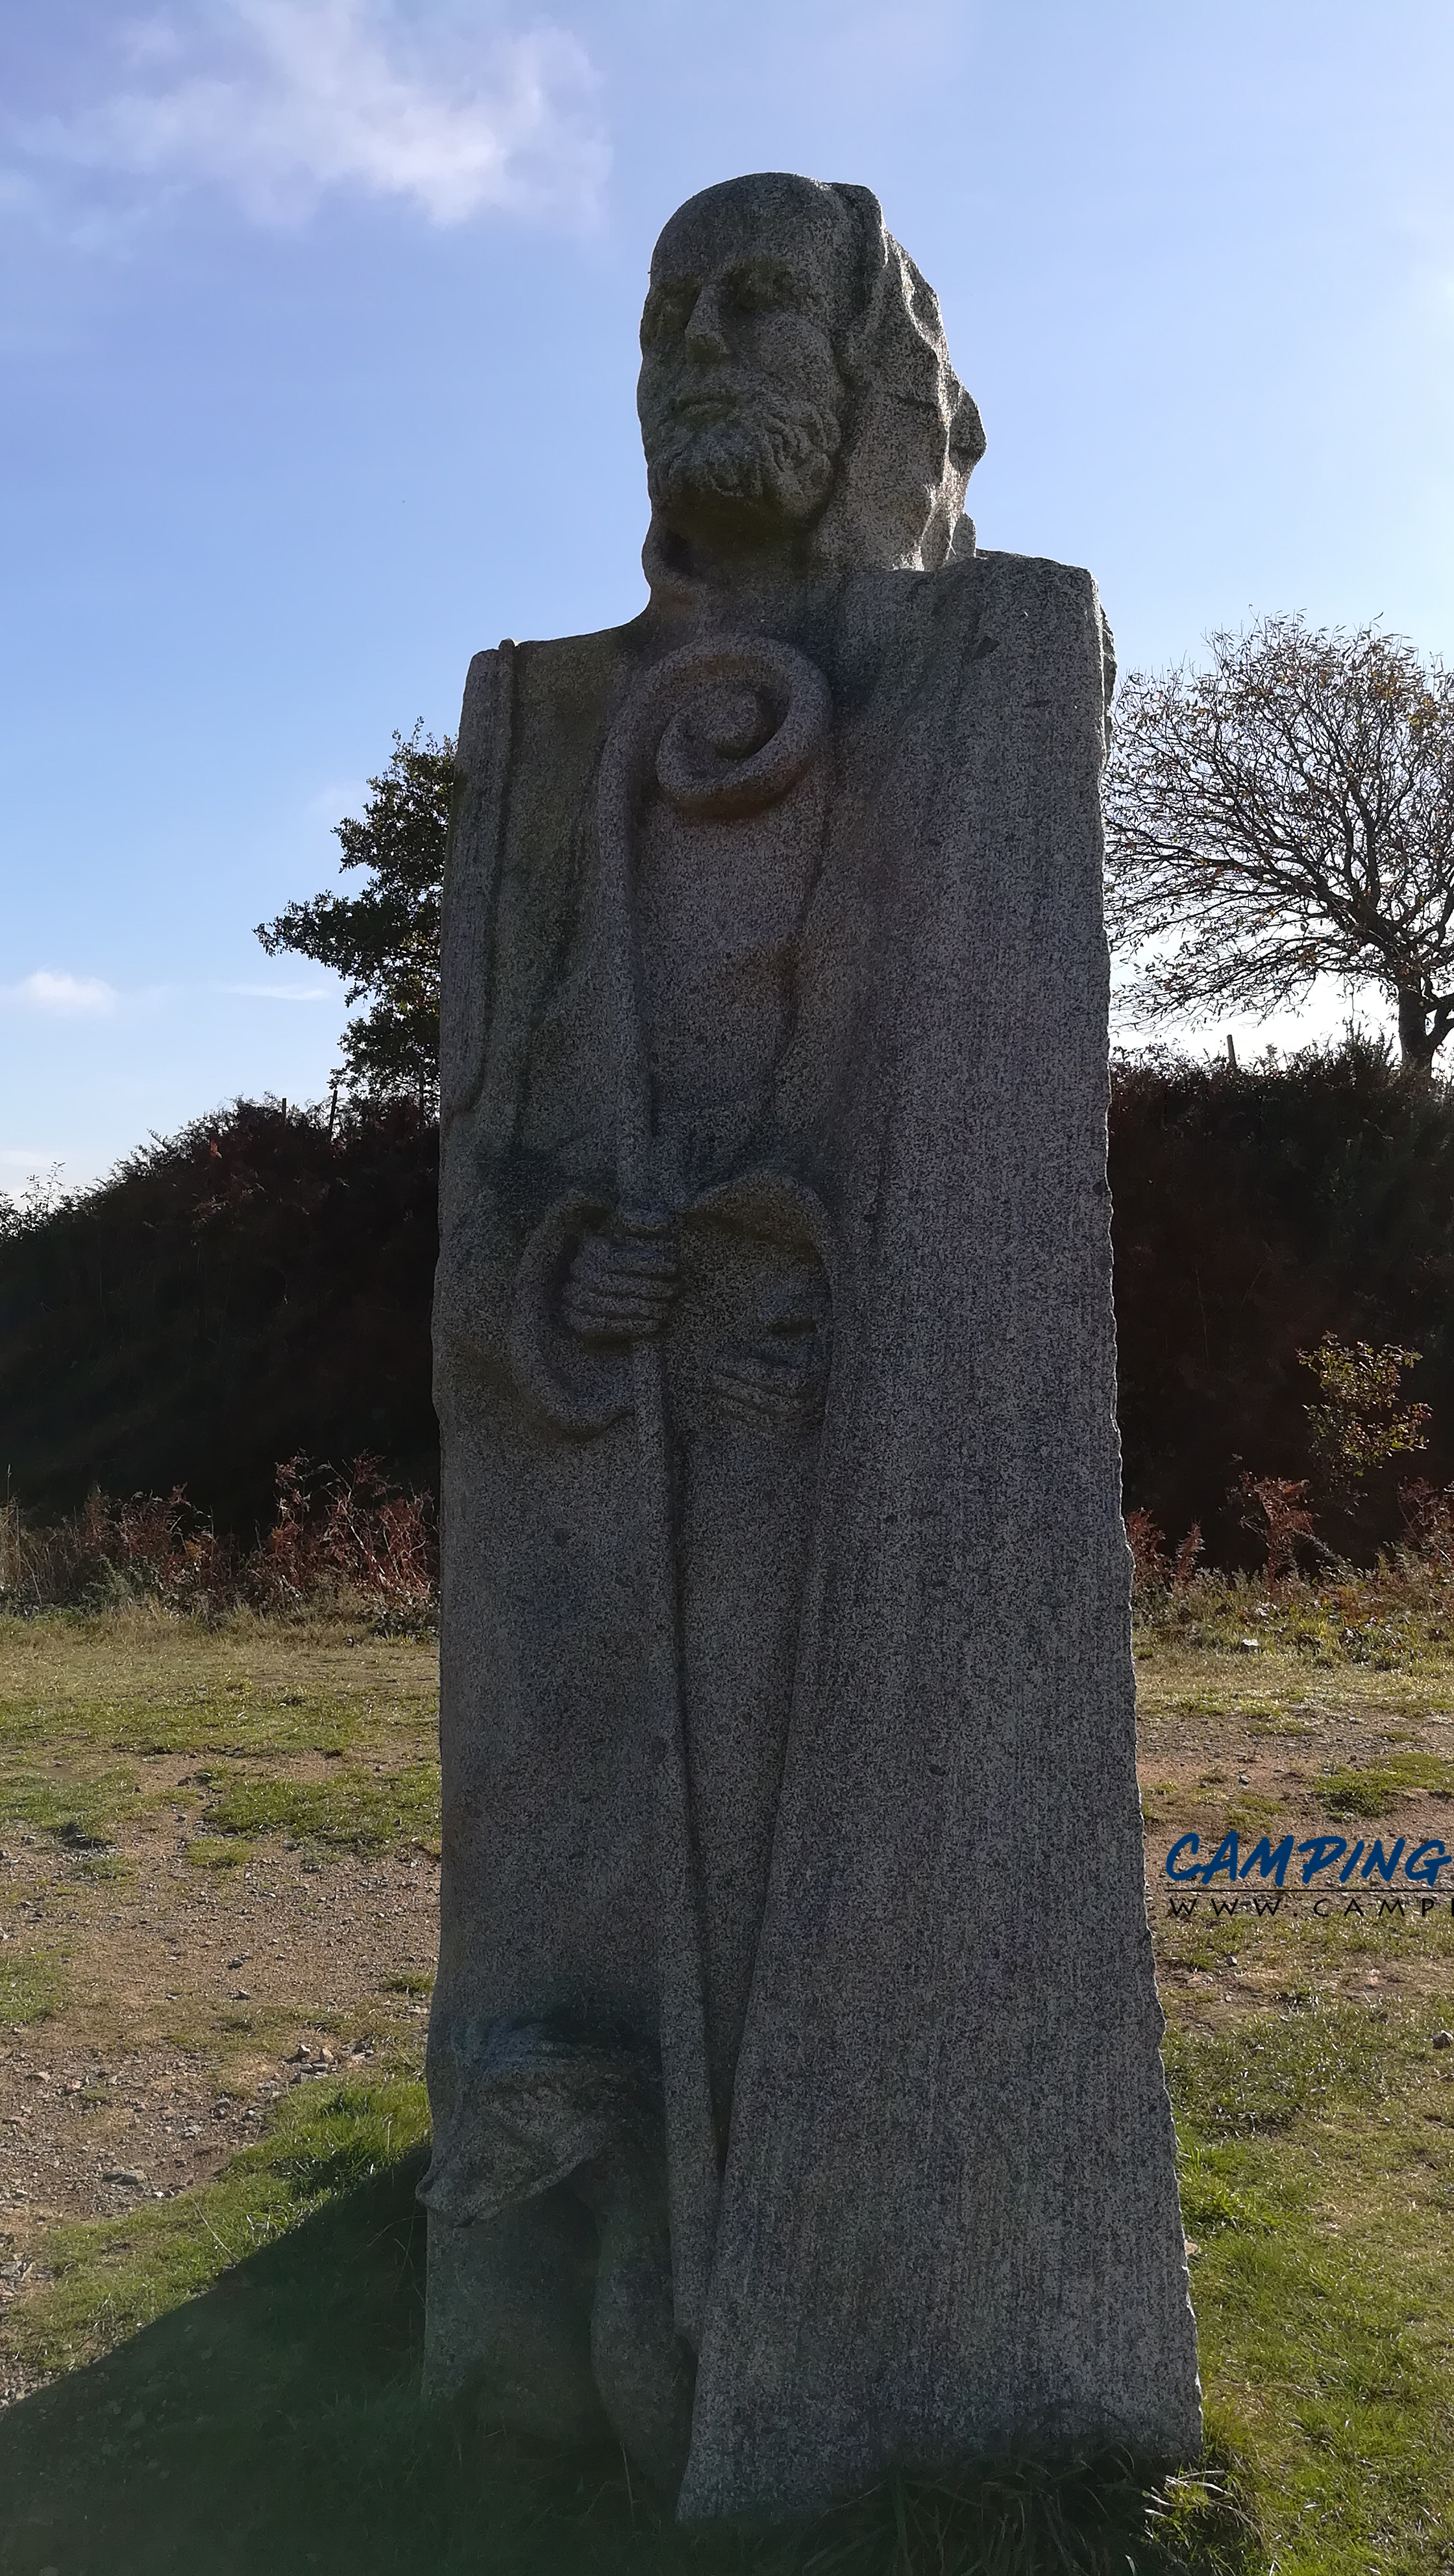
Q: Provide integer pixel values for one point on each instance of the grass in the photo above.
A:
(254, 1706)
(111, 2277)
(237, 2367)
(356, 1811)
(1374, 1787)
(1266, 2075)
(363, 1809)
(82, 1812)
(238, 2395)
(220, 1851)
(1392, 1619)
(32, 1989)
(1321, 2217)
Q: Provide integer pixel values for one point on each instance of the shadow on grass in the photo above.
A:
(271, 2425)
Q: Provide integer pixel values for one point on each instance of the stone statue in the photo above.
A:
(793, 2060)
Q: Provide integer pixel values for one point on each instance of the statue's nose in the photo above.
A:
(705, 336)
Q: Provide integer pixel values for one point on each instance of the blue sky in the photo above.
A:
(317, 327)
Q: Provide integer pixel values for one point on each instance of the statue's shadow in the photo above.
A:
(272, 2427)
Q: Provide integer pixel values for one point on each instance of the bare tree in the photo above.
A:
(1288, 813)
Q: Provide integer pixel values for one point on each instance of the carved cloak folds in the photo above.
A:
(948, 2217)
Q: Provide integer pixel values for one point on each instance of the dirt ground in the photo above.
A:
(190, 2008)
(163, 1983)
(1361, 1755)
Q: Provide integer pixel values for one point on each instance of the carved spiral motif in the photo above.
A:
(739, 723)
(725, 727)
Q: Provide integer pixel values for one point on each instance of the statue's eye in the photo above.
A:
(667, 311)
(761, 286)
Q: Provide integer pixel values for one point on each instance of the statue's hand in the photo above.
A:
(764, 1385)
(780, 1379)
(620, 1287)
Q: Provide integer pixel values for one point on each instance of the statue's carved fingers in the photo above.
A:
(770, 1385)
(619, 1290)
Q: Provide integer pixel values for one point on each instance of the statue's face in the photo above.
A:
(740, 397)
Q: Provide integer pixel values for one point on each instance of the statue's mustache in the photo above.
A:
(700, 396)
(740, 419)
(720, 392)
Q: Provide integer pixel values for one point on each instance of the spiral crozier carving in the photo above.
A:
(746, 718)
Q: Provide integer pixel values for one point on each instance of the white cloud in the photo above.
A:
(282, 992)
(66, 996)
(277, 101)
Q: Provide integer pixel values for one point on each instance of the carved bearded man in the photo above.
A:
(788, 2120)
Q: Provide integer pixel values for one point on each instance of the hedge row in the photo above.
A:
(259, 1286)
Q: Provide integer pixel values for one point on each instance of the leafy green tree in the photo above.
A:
(1285, 814)
(1360, 1423)
(385, 939)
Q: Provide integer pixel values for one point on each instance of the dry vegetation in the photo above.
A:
(339, 1539)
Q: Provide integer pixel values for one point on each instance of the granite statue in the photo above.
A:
(793, 2059)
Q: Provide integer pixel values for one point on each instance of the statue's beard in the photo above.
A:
(774, 462)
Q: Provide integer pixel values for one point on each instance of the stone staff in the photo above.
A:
(696, 730)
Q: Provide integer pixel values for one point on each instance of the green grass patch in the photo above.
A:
(1371, 1788)
(137, 1681)
(1203, 1940)
(1325, 1945)
(1247, 1811)
(1273, 2068)
(105, 1868)
(219, 1852)
(32, 1987)
(356, 1810)
(81, 1812)
(1322, 2286)
(1210, 2201)
(1327, 2390)
(219, 1721)
(226, 1723)
(81, 1693)
(1390, 1618)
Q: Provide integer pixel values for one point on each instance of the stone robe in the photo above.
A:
(874, 1018)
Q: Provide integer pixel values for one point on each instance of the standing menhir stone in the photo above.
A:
(798, 2112)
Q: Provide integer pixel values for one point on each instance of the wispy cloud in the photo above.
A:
(278, 101)
(64, 996)
(282, 992)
